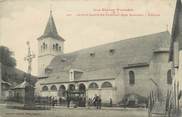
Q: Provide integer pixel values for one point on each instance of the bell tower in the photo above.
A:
(50, 44)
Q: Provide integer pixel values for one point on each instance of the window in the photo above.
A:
(54, 47)
(62, 91)
(93, 86)
(57, 47)
(169, 77)
(63, 59)
(72, 87)
(111, 51)
(106, 85)
(82, 87)
(71, 75)
(92, 54)
(131, 78)
(44, 46)
(53, 88)
(62, 87)
(44, 88)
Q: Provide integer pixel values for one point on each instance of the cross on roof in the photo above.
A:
(29, 58)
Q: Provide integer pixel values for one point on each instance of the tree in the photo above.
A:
(6, 57)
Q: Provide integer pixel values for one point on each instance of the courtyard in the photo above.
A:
(76, 112)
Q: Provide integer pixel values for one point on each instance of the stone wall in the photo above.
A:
(159, 67)
(143, 85)
(45, 57)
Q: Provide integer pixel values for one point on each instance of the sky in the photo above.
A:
(25, 20)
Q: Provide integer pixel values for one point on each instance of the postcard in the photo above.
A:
(83, 58)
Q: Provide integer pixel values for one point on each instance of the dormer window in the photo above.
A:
(92, 54)
(111, 51)
(48, 70)
(63, 59)
(75, 74)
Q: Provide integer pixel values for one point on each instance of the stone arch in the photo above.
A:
(44, 45)
(82, 87)
(54, 46)
(53, 88)
(71, 87)
(57, 46)
(93, 85)
(45, 88)
(62, 91)
(106, 85)
(60, 48)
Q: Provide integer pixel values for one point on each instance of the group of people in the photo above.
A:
(96, 101)
(80, 101)
(76, 101)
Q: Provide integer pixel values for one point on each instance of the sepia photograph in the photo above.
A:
(90, 58)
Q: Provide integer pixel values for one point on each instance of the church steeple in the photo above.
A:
(50, 44)
(50, 30)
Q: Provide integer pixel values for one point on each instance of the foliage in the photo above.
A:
(6, 57)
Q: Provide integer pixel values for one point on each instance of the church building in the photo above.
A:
(131, 67)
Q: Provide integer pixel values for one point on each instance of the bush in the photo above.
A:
(128, 102)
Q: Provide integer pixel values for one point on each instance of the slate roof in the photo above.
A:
(50, 30)
(104, 64)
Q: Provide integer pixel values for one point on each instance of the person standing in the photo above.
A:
(53, 102)
(68, 101)
(110, 102)
(89, 103)
(99, 102)
(60, 101)
(95, 100)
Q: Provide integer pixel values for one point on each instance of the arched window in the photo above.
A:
(62, 87)
(72, 87)
(62, 91)
(44, 45)
(53, 88)
(131, 78)
(106, 85)
(93, 86)
(44, 88)
(57, 47)
(54, 46)
(169, 77)
(82, 87)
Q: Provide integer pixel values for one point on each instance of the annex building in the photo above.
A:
(132, 67)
